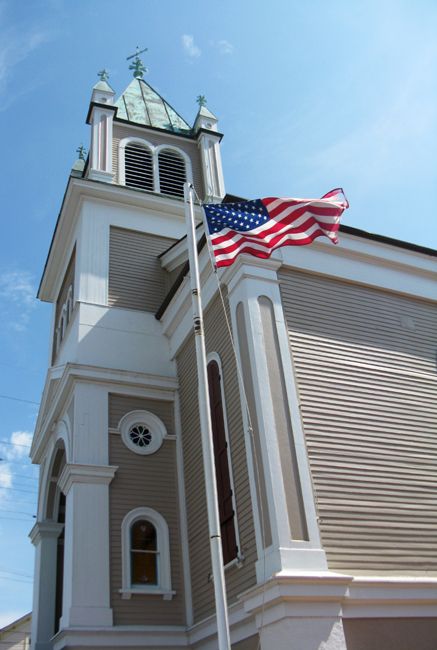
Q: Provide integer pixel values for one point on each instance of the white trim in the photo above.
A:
(89, 474)
(163, 588)
(214, 356)
(151, 421)
(155, 151)
(121, 154)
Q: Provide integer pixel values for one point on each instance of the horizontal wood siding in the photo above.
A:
(136, 277)
(155, 138)
(368, 395)
(237, 580)
(144, 481)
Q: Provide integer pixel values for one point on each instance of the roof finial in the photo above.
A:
(103, 75)
(81, 151)
(137, 65)
(201, 100)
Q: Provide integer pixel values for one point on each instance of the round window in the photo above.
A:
(140, 435)
(142, 432)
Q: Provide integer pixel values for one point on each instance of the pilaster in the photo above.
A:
(100, 117)
(86, 597)
(281, 470)
(44, 537)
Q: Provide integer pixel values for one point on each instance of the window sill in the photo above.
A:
(126, 594)
(238, 562)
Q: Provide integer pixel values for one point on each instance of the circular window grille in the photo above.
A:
(140, 435)
(142, 432)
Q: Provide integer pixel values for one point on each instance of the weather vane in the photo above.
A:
(137, 65)
(82, 152)
(103, 75)
(201, 100)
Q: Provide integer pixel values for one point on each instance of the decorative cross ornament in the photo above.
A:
(82, 152)
(137, 65)
(103, 75)
(201, 100)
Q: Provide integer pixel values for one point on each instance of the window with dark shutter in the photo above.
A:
(172, 174)
(226, 510)
(138, 164)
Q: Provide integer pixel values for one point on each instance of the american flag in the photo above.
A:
(259, 227)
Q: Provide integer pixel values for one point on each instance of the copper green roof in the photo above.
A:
(142, 105)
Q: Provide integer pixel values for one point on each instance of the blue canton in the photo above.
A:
(242, 217)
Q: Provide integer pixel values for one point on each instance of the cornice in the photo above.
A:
(90, 474)
(153, 386)
(43, 530)
(80, 189)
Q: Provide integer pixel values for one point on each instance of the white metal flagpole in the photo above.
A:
(206, 431)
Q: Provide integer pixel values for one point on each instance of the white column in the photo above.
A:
(86, 595)
(248, 279)
(44, 537)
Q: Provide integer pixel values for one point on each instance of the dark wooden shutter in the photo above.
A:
(226, 510)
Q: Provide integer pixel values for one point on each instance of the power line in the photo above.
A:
(31, 478)
(14, 462)
(17, 490)
(18, 573)
(17, 399)
(18, 512)
(28, 582)
(15, 501)
(9, 365)
(15, 444)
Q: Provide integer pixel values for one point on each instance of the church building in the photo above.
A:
(327, 496)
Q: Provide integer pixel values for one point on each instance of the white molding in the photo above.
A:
(90, 474)
(101, 175)
(163, 588)
(214, 356)
(132, 383)
(158, 431)
(44, 529)
(154, 150)
(132, 139)
(123, 636)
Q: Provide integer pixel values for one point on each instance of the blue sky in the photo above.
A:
(311, 95)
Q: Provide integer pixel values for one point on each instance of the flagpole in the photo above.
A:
(206, 431)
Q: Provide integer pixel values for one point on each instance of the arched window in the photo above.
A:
(223, 469)
(138, 167)
(172, 172)
(144, 553)
(145, 545)
(69, 303)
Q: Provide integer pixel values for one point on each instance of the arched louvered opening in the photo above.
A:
(172, 174)
(138, 163)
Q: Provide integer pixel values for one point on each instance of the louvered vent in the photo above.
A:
(171, 173)
(138, 167)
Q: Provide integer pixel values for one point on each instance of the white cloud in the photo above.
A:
(15, 46)
(189, 47)
(17, 298)
(11, 453)
(225, 47)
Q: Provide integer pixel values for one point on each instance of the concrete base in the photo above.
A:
(304, 634)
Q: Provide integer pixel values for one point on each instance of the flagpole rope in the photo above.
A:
(249, 419)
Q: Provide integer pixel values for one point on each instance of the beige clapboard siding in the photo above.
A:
(136, 277)
(144, 481)
(67, 282)
(237, 580)
(155, 138)
(368, 390)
